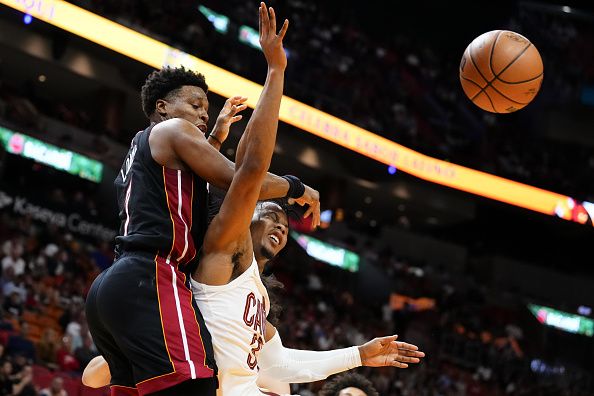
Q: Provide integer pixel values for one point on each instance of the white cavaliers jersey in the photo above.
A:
(235, 314)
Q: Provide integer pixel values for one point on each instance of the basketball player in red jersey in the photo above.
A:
(140, 311)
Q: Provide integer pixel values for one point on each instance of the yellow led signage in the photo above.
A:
(156, 54)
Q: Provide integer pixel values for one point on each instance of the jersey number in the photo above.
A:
(252, 359)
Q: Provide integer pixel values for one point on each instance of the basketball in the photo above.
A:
(501, 71)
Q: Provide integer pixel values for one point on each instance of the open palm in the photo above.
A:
(386, 351)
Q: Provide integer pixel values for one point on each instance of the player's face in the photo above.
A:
(350, 391)
(188, 102)
(269, 230)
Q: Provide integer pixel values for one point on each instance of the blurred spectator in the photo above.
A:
(14, 260)
(6, 379)
(13, 305)
(73, 330)
(18, 383)
(56, 388)
(47, 348)
(19, 344)
(66, 359)
(85, 353)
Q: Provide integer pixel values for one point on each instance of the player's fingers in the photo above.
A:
(318, 215)
(387, 339)
(260, 17)
(315, 218)
(283, 30)
(236, 118)
(406, 359)
(237, 99)
(406, 345)
(300, 201)
(265, 19)
(272, 20)
(399, 365)
(308, 212)
(411, 353)
(237, 108)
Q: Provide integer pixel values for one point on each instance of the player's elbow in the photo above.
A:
(251, 169)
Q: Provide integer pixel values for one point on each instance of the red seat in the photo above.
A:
(86, 391)
(40, 370)
(72, 385)
(4, 334)
(44, 380)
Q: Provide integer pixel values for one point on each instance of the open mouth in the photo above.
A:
(202, 128)
(275, 239)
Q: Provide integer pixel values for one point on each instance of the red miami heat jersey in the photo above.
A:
(162, 210)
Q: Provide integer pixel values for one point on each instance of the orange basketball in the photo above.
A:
(501, 71)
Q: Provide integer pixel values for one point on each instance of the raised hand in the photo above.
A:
(386, 351)
(310, 197)
(228, 116)
(270, 41)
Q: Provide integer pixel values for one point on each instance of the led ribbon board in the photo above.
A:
(156, 54)
(56, 157)
(327, 253)
(571, 323)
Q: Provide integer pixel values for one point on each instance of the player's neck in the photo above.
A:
(261, 264)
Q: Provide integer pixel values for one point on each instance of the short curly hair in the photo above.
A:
(348, 380)
(163, 83)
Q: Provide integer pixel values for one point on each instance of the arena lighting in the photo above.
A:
(222, 82)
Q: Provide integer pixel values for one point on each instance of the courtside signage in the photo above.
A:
(327, 253)
(56, 157)
(156, 54)
(571, 323)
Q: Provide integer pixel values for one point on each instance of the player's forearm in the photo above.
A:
(273, 187)
(256, 146)
(299, 366)
(214, 142)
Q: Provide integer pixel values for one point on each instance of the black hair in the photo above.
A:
(162, 83)
(348, 380)
(291, 211)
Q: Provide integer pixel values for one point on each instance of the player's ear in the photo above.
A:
(161, 107)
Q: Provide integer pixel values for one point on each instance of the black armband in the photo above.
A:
(296, 187)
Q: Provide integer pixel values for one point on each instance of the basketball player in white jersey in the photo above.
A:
(239, 242)
(227, 285)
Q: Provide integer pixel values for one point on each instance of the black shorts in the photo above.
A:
(146, 324)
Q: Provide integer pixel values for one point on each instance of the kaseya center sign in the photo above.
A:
(72, 222)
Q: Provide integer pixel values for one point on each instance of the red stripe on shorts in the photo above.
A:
(179, 188)
(185, 347)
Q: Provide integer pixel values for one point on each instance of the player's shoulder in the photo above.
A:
(175, 126)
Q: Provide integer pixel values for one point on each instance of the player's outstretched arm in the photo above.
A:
(96, 374)
(187, 142)
(299, 366)
(229, 232)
